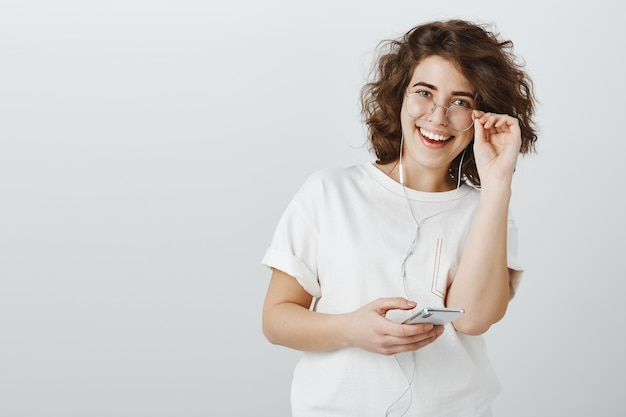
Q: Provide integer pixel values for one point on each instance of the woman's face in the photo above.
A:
(430, 143)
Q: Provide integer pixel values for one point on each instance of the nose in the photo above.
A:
(439, 115)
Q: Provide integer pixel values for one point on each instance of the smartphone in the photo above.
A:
(435, 315)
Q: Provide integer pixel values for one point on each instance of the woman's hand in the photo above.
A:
(497, 142)
(288, 321)
(482, 281)
(369, 329)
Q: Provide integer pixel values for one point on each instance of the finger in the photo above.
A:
(497, 121)
(479, 130)
(478, 114)
(417, 345)
(396, 332)
(510, 123)
(407, 345)
(412, 332)
(488, 120)
(382, 305)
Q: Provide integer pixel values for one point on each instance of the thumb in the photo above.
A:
(479, 131)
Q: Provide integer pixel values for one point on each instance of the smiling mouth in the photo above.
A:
(434, 137)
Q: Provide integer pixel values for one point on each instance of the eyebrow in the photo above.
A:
(454, 93)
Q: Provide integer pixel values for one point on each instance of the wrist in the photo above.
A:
(501, 189)
(344, 331)
(496, 196)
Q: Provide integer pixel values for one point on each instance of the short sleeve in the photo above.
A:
(293, 248)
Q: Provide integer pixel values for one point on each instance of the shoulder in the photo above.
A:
(330, 187)
(338, 174)
(334, 178)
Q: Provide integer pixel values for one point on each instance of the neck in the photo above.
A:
(421, 179)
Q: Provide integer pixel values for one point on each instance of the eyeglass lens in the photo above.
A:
(459, 118)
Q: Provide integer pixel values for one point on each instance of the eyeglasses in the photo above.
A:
(459, 117)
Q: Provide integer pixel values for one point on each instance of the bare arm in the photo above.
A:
(288, 321)
(481, 285)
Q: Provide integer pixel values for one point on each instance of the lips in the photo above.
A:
(433, 140)
(433, 137)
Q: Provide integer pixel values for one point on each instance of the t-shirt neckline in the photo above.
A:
(395, 187)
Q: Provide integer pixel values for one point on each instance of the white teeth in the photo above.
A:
(432, 136)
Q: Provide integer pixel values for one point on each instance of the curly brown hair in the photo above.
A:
(480, 55)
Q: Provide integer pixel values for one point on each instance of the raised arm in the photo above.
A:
(481, 285)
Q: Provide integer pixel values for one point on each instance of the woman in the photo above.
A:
(426, 225)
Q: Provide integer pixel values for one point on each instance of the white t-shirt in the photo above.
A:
(344, 237)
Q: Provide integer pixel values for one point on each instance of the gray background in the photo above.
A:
(147, 150)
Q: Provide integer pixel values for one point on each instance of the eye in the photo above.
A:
(422, 93)
(461, 103)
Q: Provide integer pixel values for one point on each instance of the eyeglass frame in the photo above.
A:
(435, 105)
